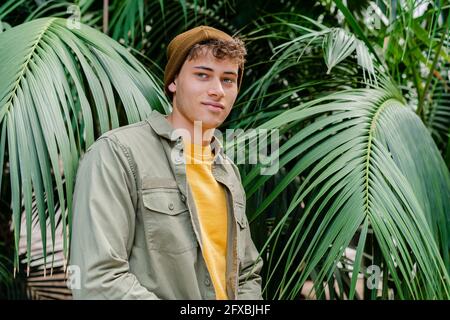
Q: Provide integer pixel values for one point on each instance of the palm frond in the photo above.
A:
(63, 85)
(352, 165)
(437, 110)
(362, 165)
(39, 282)
(17, 12)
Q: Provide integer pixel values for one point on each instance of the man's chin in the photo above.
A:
(209, 124)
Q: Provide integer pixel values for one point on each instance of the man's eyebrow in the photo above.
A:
(210, 69)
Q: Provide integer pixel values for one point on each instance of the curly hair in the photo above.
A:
(221, 49)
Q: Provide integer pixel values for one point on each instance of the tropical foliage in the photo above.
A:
(359, 204)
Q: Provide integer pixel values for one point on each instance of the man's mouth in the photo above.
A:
(214, 105)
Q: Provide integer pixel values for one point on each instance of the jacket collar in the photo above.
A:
(164, 129)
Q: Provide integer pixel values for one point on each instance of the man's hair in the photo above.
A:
(221, 49)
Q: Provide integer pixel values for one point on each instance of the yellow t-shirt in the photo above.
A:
(210, 201)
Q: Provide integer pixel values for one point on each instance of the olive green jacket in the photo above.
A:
(136, 234)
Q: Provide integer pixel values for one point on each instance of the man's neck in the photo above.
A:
(196, 135)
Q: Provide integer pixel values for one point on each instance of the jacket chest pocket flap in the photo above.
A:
(167, 221)
(165, 201)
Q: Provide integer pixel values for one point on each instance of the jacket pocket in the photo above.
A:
(167, 221)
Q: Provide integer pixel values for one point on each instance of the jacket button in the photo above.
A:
(207, 282)
(183, 198)
(171, 206)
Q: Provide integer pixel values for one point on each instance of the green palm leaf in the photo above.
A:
(366, 165)
(437, 111)
(362, 167)
(62, 86)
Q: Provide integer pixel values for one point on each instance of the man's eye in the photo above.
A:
(228, 80)
(202, 75)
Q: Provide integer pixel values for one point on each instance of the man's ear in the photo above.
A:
(172, 86)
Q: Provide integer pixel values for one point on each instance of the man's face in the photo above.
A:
(205, 90)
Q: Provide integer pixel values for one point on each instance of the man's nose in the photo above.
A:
(216, 89)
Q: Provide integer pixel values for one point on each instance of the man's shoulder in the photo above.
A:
(128, 136)
(128, 131)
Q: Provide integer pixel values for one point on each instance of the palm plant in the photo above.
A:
(45, 115)
(361, 184)
(413, 38)
(352, 171)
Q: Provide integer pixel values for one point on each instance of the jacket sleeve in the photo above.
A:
(103, 225)
(249, 274)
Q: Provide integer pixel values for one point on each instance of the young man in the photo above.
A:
(159, 210)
